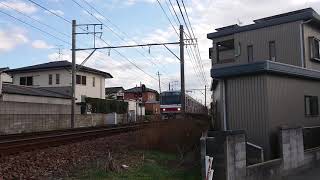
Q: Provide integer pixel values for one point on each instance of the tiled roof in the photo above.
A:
(111, 90)
(138, 89)
(57, 65)
(56, 92)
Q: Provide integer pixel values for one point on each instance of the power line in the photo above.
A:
(199, 60)
(167, 17)
(186, 12)
(175, 12)
(49, 34)
(44, 24)
(48, 10)
(90, 13)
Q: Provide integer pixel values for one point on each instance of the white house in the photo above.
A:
(56, 76)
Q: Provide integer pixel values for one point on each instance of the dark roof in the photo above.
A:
(303, 14)
(57, 92)
(264, 67)
(4, 69)
(111, 90)
(57, 65)
(138, 89)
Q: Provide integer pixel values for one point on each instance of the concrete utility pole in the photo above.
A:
(73, 74)
(183, 95)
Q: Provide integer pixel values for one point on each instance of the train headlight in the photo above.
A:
(163, 109)
(179, 109)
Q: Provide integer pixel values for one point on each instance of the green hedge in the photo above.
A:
(107, 106)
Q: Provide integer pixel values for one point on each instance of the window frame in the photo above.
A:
(50, 79)
(312, 48)
(84, 80)
(57, 78)
(21, 80)
(311, 108)
(78, 79)
(270, 51)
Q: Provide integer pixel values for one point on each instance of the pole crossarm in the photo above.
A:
(171, 52)
(131, 46)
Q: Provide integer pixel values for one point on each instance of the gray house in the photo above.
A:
(267, 75)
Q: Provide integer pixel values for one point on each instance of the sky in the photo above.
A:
(31, 35)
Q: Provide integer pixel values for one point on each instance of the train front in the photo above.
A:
(170, 104)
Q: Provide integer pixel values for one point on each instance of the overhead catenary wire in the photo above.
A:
(189, 32)
(195, 65)
(34, 19)
(114, 32)
(28, 24)
(196, 44)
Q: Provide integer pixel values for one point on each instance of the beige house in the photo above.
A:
(56, 76)
(267, 75)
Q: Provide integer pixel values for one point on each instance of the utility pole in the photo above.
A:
(159, 82)
(73, 74)
(182, 72)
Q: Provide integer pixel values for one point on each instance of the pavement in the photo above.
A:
(311, 174)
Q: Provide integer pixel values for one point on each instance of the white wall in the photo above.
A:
(41, 79)
(6, 78)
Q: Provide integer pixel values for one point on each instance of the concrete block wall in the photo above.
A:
(292, 151)
(229, 151)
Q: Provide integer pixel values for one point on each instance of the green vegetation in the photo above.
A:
(156, 166)
(107, 106)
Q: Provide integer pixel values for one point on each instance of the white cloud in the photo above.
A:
(11, 38)
(40, 44)
(56, 11)
(19, 6)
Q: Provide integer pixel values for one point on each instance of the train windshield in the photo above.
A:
(170, 98)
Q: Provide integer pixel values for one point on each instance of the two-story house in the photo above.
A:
(149, 98)
(57, 76)
(267, 75)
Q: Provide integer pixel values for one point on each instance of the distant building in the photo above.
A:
(148, 98)
(89, 82)
(267, 75)
(115, 93)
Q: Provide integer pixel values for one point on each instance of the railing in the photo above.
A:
(255, 154)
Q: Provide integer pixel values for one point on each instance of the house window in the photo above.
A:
(225, 51)
(27, 81)
(23, 80)
(314, 48)
(272, 50)
(57, 78)
(78, 79)
(311, 106)
(81, 79)
(93, 81)
(250, 53)
(50, 79)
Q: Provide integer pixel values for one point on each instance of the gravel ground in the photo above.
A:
(59, 161)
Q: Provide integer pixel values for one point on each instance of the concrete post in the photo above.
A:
(292, 149)
(235, 148)
(203, 153)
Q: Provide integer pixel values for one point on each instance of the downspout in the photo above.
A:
(302, 43)
(224, 104)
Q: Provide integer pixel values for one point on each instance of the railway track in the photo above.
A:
(15, 143)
